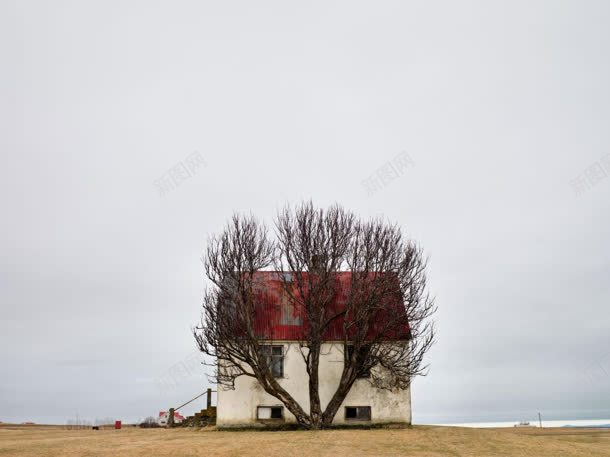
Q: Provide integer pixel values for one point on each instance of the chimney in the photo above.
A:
(317, 261)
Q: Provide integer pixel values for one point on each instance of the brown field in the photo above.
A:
(37, 441)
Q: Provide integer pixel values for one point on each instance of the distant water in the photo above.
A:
(550, 423)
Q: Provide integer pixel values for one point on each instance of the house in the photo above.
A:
(279, 325)
(164, 417)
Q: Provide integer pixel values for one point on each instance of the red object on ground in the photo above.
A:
(117, 425)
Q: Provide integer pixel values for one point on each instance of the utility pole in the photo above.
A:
(170, 419)
(540, 420)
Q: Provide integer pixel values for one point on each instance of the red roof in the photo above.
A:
(176, 414)
(278, 318)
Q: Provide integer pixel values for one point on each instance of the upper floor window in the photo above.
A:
(362, 353)
(274, 356)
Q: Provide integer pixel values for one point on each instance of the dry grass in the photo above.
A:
(417, 441)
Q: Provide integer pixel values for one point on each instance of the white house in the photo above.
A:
(164, 417)
(249, 405)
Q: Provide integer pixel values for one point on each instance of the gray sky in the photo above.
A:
(502, 106)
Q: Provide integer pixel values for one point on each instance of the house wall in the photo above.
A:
(238, 407)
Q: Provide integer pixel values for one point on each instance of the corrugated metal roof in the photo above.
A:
(278, 318)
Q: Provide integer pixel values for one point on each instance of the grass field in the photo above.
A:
(418, 441)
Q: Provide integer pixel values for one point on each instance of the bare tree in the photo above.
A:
(385, 320)
(149, 422)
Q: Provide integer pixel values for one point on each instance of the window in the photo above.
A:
(349, 351)
(358, 413)
(270, 413)
(274, 356)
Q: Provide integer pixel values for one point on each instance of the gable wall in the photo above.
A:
(238, 407)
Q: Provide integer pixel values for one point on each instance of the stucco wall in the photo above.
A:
(238, 407)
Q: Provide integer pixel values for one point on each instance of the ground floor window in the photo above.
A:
(269, 412)
(358, 413)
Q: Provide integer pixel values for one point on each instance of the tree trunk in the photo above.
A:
(315, 409)
(272, 387)
(335, 402)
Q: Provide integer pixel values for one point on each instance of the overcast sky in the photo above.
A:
(502, 107)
